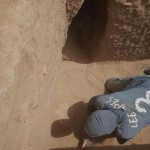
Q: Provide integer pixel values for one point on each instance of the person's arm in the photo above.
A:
(137, 80)
(95, 103)
(119, 138)
(117, 84)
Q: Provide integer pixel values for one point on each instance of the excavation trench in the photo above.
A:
(85, 31)
(83, 75)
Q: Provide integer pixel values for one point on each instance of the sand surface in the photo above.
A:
(79, 80)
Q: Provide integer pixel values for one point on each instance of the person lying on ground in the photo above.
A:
(125, 111)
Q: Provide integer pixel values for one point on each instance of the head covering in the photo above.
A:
(101, 122)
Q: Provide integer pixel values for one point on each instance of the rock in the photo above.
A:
(121, 30)
(72, 7)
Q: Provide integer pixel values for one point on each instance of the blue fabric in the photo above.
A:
(134, 101)
(101, 122)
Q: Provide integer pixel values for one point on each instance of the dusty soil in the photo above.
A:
(79, 80)
(33, 33)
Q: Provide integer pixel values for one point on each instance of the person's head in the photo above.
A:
(101, 122)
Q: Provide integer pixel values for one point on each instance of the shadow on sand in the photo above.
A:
(77, 114)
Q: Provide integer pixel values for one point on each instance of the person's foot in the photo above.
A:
(146, 70)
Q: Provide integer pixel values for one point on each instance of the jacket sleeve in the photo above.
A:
(117, 84)
(137, 80)
(121, 140)
(97, 103)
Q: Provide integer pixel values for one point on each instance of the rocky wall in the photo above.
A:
(128, 30)
(124, 32)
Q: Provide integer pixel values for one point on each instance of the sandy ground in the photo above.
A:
(80, 80)
(32, 34)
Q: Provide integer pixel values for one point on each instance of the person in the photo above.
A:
(125, 111)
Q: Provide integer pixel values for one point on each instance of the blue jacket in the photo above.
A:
(134, 100)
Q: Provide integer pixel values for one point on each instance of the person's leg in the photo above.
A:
(117, 84)
(119, 138)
